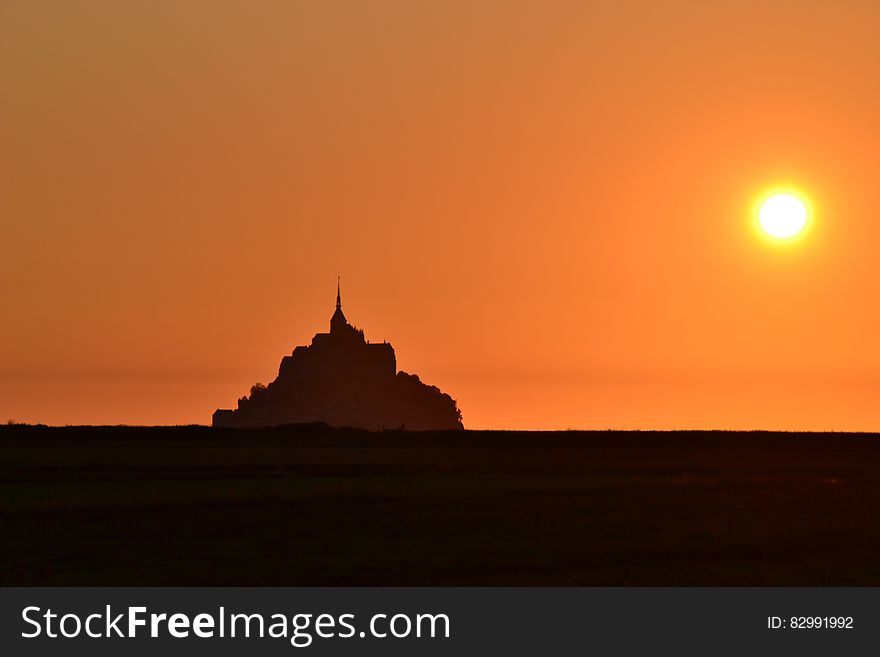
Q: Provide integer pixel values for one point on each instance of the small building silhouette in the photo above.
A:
(344, 381)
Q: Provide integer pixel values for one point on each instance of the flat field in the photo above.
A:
(316, 506)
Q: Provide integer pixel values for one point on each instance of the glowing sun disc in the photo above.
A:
(783, 216)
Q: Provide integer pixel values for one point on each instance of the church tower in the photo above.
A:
(338, 323)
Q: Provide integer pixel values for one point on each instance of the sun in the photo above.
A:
(783, 216)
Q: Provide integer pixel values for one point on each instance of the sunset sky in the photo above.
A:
(546, 207)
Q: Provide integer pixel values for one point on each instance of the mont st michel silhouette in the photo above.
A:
(343, 380)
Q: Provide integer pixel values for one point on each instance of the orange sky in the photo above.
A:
(544, 206)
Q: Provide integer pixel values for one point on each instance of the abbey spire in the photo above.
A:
(338, 323)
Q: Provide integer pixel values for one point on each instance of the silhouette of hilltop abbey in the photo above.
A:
(344, 381)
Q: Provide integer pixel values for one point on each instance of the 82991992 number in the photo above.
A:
(821, 622)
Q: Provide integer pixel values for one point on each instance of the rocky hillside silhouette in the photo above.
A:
(344, 381)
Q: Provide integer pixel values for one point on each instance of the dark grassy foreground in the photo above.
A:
(158, 506)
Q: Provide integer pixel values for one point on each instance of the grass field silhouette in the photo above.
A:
(310, 505)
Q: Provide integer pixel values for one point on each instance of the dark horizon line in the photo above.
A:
(320, 426)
